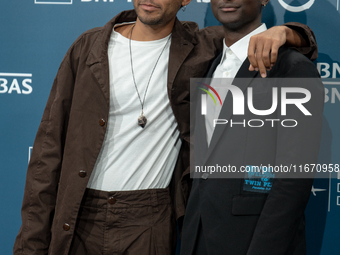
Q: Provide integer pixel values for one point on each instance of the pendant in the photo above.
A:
(142, 121)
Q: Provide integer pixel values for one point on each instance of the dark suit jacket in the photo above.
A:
(235, 221)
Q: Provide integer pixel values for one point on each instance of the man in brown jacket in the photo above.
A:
(107, 172)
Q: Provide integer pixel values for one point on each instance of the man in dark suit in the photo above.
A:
(227, 213)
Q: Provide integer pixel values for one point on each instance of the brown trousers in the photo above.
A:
(125, 223)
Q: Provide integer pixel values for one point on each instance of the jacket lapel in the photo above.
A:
(242, 81)
(182, 43)
(214, 65)
(97, 59)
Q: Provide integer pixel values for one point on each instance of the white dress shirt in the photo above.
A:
(231, 61)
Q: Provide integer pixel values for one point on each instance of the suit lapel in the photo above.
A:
(242, 81)
(214, 65)
(201, 144)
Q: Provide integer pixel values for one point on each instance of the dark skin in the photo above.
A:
(240, 17)
(156, 19)
(264, 47)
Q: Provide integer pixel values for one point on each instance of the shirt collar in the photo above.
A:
(240, 48)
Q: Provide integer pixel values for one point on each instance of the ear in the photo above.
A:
(185, 2)
(265, 2)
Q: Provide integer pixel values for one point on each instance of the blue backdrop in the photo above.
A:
(35, 35)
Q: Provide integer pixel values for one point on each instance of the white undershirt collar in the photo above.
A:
(240, 48)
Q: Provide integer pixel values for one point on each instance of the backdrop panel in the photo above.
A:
(35, 35)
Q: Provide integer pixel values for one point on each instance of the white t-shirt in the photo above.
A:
(132, 157)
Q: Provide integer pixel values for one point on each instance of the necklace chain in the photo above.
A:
(133, 74)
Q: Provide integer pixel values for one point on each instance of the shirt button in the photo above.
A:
(82, 173)
(66, 227)
(230, 52)
(205, 176)
(102, 122)
(226, 73)
(112, 200)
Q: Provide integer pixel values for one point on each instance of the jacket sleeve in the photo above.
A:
(311, 50)
(282, 216)
(44, 168)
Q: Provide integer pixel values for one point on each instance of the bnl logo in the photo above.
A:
(302, 7)
(53, 1)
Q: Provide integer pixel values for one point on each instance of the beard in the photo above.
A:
(150, 21)
(148, 18)
(163, 15)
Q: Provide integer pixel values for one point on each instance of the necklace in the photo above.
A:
(142, 119)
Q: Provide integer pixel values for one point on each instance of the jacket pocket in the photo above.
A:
(248, 204)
